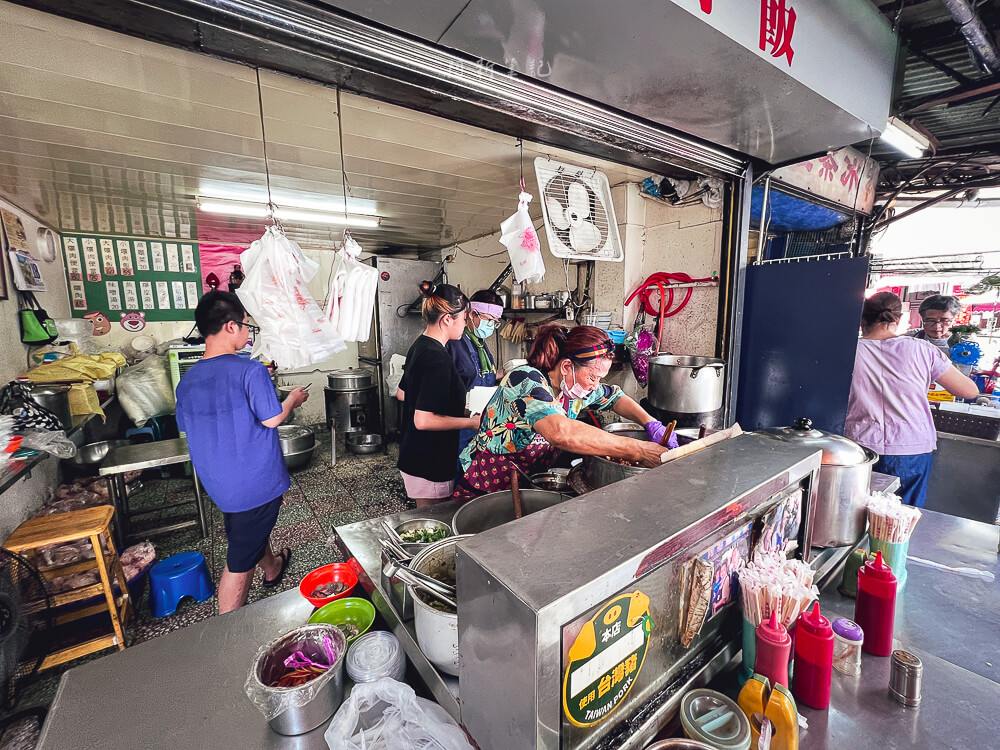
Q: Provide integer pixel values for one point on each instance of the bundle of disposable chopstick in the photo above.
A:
(890, 520)
(773, 584)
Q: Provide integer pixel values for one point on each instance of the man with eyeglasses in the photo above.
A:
(227, 406)
(937, 314)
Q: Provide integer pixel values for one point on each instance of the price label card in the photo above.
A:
(138, 223)
(146, 290)
(120, 218)
(173, 260)
(184, 223)
(153, 218)
(163, 295)
(103, 218)
(169, 223)
(125, 258)
(108, 258)
(85, 213)
(67, 215)
(91, 260)
(192, 294)
(79, 295)
(141, 256)
(187, 258)
(114, 295)
(179, 301)
(158, 263)
(131, 295)
(74, 267)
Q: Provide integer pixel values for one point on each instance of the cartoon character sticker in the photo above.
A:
(100, 322)
(133, 321)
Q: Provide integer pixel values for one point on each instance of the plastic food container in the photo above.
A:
(847, 639)
(332, 573)
(374, 656)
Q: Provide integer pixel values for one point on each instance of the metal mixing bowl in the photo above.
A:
(363, 442)
(88, 457)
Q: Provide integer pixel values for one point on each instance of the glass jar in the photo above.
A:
(847, 639)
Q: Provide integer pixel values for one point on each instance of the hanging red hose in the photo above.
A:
(660, 282)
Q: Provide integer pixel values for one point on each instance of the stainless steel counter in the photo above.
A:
(965, 478)
(182, 690)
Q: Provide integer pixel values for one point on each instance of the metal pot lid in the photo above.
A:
(351, 379)
(837, 450)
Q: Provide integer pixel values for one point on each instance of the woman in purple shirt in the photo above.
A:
(888, 409)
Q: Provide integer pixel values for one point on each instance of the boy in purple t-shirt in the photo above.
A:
(227, 406)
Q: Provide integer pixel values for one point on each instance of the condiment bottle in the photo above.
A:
(875, 605)
(813, 659)
(847, 639)
(774, 646)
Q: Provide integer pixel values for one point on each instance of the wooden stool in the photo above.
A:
(60, 528)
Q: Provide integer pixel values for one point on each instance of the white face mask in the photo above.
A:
(576, 390)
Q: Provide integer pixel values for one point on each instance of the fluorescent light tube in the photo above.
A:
(904, 138)
(292, 199)
(258, 211)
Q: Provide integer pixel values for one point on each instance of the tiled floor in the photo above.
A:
(322, 496)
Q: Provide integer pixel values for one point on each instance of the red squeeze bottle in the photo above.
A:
(774, 646)
(813, 659)
(875, 605)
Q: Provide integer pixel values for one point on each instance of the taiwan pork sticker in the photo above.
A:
(605, 659)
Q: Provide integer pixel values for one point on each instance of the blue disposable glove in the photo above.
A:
(655, 430)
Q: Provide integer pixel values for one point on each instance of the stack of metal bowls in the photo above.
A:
(297, 444)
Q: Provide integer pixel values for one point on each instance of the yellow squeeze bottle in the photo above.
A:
(781, 711)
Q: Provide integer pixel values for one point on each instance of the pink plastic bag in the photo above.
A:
(518, 235)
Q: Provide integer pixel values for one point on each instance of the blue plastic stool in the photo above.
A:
(172, 579)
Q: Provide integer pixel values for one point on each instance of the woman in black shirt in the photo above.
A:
(433, 397)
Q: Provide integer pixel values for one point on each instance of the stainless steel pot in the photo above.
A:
(497, 508)
(295, 438)
(553, 480)
(55, 398)
(600, 472)
(88, 457)
(689, 385)
(437, 631)
(299, 719)
(845, 477)
(351, 379)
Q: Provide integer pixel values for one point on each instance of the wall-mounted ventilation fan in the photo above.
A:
(579, 217)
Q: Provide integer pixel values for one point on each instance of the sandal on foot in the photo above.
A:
(286, 557)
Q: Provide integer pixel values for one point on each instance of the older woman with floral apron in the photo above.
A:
(532, 416)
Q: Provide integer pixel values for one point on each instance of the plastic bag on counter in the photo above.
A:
(518, 235)
(145, 390)
(387, 715)
(294, 331)
(50, 441)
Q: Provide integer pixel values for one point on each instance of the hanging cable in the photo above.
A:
(340, 137)
(661, 282)
(271, 207)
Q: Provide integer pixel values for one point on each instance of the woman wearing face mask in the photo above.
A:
(433, 398)
(532, 416)
(472, 358)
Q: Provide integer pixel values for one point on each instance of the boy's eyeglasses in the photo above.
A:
(251, 329)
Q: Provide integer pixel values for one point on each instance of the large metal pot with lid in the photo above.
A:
(844, 482)
(689, 385)
(352, 401)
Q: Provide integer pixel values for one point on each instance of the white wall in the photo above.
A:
(25, 497)
(656, 237)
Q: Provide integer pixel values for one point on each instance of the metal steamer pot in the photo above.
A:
(686, 384)
(497, 508)
(600, 472)
(844, 482)
(437, 631)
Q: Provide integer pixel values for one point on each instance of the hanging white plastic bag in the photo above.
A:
(145, 390)
(387, 715)
(353, 288)
(518, 235)
(294, 331)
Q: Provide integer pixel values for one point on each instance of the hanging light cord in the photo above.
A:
(343, 167)
(271, 207)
